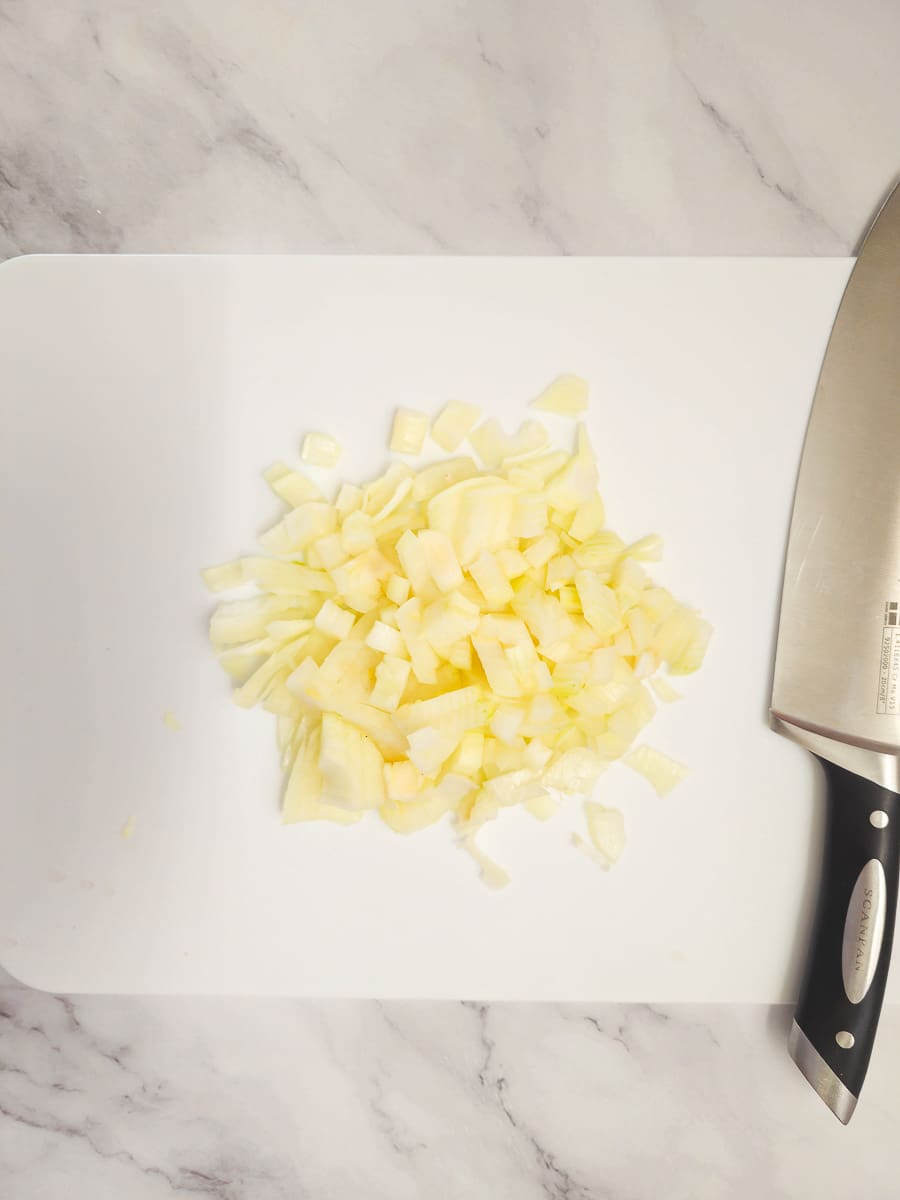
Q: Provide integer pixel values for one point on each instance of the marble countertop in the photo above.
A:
(715, 127)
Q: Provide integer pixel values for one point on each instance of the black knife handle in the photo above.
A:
(847, 968)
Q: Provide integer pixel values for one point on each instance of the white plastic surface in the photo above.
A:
(141, 398)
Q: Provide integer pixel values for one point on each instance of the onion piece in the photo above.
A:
(664, 773)
(453, 425)
(409, 431)
(320, 450)
(606, 827)
(567, 396)
(492, 874)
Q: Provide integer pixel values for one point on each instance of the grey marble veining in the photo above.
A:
(277, 1100)
(494, 126)
(503, 126)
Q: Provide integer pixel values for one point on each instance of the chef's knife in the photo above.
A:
(837, 667)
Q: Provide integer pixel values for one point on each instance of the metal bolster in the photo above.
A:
(878, 766)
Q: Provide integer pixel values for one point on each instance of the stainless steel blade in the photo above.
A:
(837, 668)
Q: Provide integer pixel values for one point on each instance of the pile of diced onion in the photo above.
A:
(456, 639)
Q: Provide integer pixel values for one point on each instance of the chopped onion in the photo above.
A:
(453, 425)
(224, 577)
(456, 641)
(290, 486)
(664, 690)
(492, 873)
(567, 396)
(320, 450)
(606, 827)
(663, 772)
(409, 431)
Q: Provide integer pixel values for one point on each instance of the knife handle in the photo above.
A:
(850, 945)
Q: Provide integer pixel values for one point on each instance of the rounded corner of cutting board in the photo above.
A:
(36, 980)
(19, 262)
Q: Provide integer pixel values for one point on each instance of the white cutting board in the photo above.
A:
(142, 397)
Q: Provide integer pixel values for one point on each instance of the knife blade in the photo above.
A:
(836, 687)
